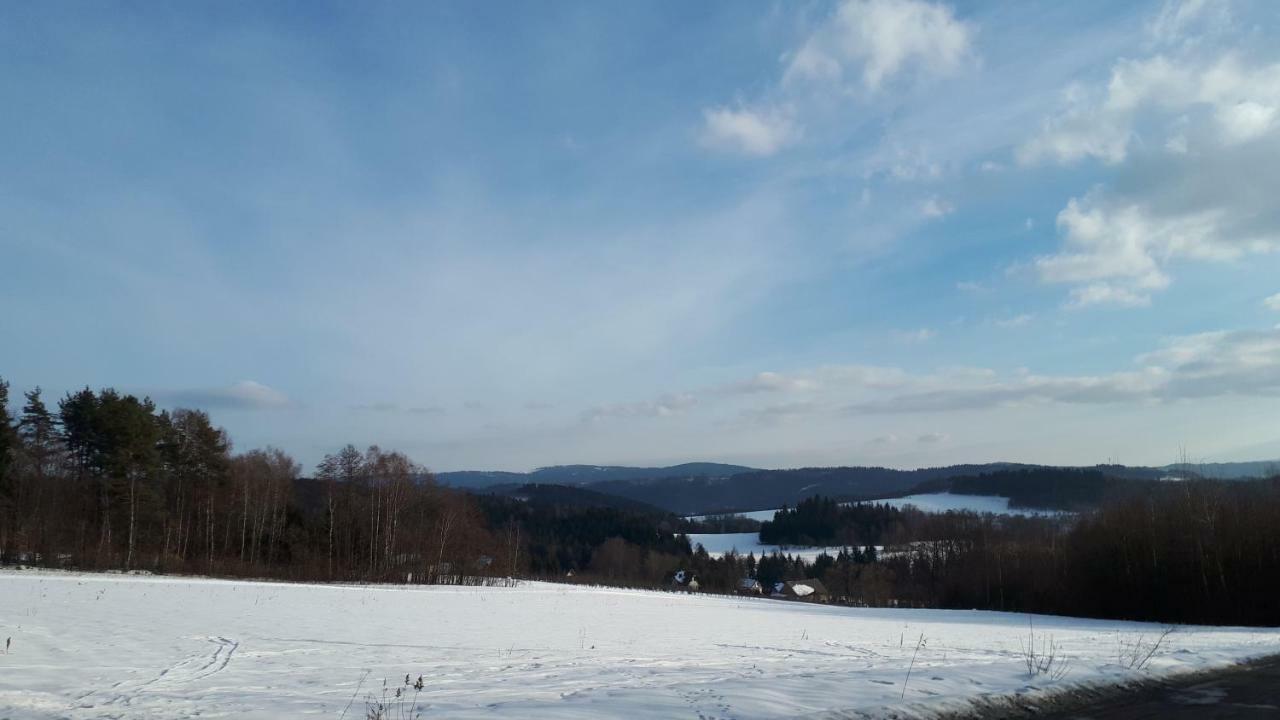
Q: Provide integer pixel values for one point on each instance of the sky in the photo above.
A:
(509, 235)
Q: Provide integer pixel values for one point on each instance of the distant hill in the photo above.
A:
(700, 488)
(586, 474)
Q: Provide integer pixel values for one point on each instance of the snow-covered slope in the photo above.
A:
(96, 646)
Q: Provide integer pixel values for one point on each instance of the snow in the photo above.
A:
(96, 646)
(717, 544)
(801, 590)
(925, 502)
(760, 515)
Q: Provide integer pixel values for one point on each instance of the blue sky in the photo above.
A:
(502, 236)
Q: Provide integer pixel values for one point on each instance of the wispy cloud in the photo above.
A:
(751, 132)
(770, 382)
(1014, 321)
(1215, 364)
(243, 395)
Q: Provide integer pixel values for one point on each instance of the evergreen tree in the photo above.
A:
(38, 431)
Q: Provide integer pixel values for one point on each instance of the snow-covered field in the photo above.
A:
(717, 544)
(760, 515)
(942, 502)
(925, 502)
(97, 646)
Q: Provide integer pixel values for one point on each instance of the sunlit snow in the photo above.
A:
(98, 646)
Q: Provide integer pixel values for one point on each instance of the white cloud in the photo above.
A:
(1116, 253)
(1245, 120)
(1219, 363)
(936, 207)
(1191, 193)
(933, 438)
(884, 38)
(970, 286)
(1273, 302)
(1242, 98)
(758, 133)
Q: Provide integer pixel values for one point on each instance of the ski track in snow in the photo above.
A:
(115, 646)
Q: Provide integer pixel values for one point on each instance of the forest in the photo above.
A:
(105, 480)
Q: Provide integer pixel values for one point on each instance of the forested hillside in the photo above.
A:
(587, 474)
(761, 489)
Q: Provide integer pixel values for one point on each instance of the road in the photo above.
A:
(1243, 693)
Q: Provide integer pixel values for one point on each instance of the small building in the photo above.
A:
(750, 586)
(810, 589)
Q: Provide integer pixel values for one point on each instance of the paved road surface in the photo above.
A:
(1245, 693)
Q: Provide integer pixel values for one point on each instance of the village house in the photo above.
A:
(810, 590)
(685, 580)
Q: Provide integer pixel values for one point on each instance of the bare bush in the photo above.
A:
(1043, 658)
(398, 703)
(1137, 654)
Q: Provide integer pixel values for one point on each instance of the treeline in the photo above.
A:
(823, 521)
(108, 481)
(1200, 551)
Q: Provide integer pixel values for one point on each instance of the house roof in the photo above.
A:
(816, 587)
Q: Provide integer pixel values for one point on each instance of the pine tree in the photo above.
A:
(38, 431)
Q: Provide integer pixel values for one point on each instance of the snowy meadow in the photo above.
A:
(97, 646)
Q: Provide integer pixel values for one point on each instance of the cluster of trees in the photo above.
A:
(823, 521)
